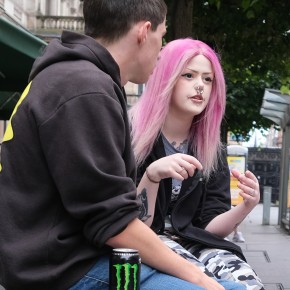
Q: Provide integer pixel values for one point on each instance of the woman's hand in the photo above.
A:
(179, 166)
(223, 224)
(249, 185)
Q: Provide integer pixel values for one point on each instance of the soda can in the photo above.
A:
(125, 266)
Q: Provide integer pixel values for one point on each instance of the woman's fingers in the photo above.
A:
(179, 166)
(249, 185)
(191, 161)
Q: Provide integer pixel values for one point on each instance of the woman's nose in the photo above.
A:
(199, 89)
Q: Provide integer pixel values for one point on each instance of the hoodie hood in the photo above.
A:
(74, 46)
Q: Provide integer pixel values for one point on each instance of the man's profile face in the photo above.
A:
(149, 53)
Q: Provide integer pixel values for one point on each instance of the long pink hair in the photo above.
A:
(148, 115)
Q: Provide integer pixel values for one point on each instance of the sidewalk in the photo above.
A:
(267, 248)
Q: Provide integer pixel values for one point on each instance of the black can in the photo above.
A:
(125, 267)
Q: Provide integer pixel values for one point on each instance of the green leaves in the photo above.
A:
(253, 40)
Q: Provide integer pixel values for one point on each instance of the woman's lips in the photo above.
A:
(198, 98)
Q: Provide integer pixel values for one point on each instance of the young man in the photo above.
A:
(67, 174)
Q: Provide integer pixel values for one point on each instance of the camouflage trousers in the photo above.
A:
(217, 263)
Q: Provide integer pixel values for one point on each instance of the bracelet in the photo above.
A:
(150, 179)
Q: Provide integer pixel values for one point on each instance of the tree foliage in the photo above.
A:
(252, 38)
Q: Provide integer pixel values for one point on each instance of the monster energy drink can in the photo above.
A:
(125, 266)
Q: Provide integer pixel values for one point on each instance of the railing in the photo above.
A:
(58, 23)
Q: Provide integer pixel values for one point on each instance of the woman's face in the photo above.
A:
(192, 90)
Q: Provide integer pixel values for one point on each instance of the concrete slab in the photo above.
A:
(267, 248)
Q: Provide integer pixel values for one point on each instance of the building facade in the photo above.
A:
(44, 18)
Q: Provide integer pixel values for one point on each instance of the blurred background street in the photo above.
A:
(267, 248)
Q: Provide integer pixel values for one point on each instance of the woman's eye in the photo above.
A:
(187, 75)
(207, 79)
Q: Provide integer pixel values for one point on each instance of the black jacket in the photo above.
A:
(198, 203)
(67, 182)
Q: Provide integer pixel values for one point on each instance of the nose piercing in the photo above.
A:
(199, 90)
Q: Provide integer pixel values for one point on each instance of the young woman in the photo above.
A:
(183, 176)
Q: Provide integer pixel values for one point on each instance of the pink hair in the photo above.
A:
(148, 114)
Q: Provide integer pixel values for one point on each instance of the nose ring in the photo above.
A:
(199, 90)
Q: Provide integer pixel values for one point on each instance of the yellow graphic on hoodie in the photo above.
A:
(9, 130)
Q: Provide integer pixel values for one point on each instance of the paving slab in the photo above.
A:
(267, 248)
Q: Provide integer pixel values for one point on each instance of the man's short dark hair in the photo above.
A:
(112, 19)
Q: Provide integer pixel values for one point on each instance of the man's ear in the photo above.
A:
(143, 31)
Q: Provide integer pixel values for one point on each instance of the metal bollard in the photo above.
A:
(267, 204)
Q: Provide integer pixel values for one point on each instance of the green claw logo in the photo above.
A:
(127, 269)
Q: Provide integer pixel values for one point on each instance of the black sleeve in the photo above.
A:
(89, 131)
